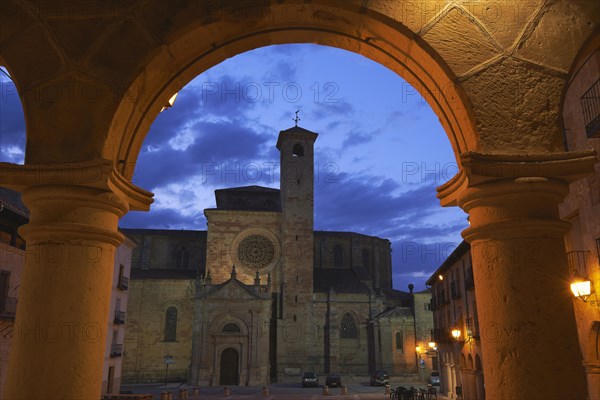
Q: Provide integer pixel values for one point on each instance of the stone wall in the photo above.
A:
(144, 346)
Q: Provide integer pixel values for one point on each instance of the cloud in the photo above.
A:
(414, 274)
(201, 148)
(162, 219)
(12, 124)
(357, 138)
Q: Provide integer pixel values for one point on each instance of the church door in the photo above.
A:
(229, 367)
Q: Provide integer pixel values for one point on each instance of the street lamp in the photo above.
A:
(582, 288)
(168, 360)
(456, 333)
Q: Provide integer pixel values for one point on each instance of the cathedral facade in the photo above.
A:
(261, 297)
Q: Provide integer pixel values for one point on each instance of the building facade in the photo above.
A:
(581, 208)
(456, 331)
(260, 296)
(12, 253)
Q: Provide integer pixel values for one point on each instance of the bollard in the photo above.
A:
(325, 390)
(226, 392)
(183, 394)
(387, 390)
(196, 392)
(344, 390)
(265, 391)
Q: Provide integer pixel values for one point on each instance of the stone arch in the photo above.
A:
(408, 55)
(218, 324)
(470, 360)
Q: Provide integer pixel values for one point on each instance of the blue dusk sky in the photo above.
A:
(380, 154)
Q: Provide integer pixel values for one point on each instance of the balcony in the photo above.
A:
(8, 309)
(123, 282)
(455, 290)
(469, 280)
(443, 299)
(116, 350)
(119, 317)
(590, 105)
(578, 262)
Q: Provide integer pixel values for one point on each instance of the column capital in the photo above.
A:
(99, 174)
(479, 168)
(514, 196)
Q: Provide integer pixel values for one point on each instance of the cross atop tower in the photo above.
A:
(297, 118)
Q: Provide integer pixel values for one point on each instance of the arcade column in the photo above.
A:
(60, 328)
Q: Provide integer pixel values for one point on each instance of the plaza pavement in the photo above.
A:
(276, 392)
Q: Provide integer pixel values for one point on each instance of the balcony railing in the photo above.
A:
(116, 350)
(123, 282)
(119, 317)
(590, 105)
(8, 309)
(578, 262)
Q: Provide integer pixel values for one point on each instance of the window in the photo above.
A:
(298, 150)
(399, 341)
(590, 105)
(182, 258)
(365, 259)
(338, 256)
(349, 329)
(428, 306)
(230, 327)
(171, 324)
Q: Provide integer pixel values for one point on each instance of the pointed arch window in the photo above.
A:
(182, 258)
(348, 329)
(171, 324)
(338, 256)
(399, 341)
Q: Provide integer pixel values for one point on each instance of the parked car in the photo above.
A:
(333, 380)
(310, 379)
(380, 378)
(434, 378)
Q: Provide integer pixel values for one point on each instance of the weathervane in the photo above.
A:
(297, 118)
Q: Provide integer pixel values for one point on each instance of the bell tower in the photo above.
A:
(295, 341)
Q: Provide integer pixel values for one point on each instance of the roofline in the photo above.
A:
(458, 252)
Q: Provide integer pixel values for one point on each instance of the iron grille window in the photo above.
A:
(590, 105)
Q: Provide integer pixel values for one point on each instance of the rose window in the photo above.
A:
(256, 252)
